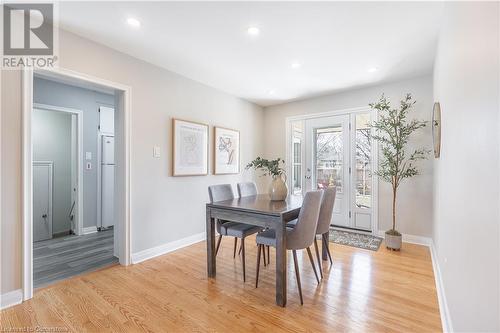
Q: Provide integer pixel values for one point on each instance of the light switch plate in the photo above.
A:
(88, 155)
(156, 152)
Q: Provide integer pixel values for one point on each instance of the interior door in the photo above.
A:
(74, 174)
(42, 201)
(327, 161)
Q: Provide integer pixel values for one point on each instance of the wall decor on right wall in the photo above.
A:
(436, 129)
(226, 151)
(189, 148)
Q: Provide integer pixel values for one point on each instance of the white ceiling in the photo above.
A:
(335, 42)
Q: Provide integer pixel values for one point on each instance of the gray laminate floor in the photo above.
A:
(63, 257)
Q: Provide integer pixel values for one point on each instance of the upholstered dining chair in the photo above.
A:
(325, 217)
(247, 189)
(299, 238)
(227, 228)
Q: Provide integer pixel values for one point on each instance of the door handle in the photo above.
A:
(309, 173)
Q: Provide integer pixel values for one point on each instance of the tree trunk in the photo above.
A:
(394, 189)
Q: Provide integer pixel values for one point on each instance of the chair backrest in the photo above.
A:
(302, 236)
(220, 192)
(326, 210)
(247, 189)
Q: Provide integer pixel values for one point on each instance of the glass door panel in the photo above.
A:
(361, 215)
(296, 158)
(336, 151)
(363, 170)
(329, 158)
(327, 152)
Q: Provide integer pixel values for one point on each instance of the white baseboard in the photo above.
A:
(420, 240)
(11, 298)
(443, 305)
(89, 230)
(166, 248)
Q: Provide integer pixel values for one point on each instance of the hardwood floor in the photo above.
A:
(365, 291)
(62, 257)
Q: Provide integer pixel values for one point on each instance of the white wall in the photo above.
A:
(164, 208)
(11, 182)
(415, 196)
(466, 230)
(52, 142)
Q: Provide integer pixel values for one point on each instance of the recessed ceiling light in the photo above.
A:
(253, 31)
(373, 69)
(296, 65)
(133, 22)
(271, 92)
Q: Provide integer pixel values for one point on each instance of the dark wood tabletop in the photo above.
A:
(261, 204)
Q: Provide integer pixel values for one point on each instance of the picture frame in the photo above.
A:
(189, 148)
(226, 151)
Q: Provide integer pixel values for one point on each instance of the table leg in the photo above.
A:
(324, 252)
(210, 245)
(281, 263)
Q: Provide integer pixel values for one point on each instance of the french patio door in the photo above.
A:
(336, 151)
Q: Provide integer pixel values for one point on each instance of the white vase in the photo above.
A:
(278, 189)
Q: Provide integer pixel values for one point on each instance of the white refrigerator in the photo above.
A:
(107, 180)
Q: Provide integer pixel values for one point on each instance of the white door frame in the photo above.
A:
(288, 140)
(122, 176)
(79, 119)
(50, 164)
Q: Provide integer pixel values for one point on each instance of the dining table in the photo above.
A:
(258, 210)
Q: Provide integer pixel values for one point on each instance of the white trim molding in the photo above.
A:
(11, 298)
(443, 304)
(89, 230)
(27, 184)
(166, 248)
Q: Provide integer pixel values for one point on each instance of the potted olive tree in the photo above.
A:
(393, 130)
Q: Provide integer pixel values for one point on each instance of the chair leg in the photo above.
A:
(243, 258)
(218, 245)
(312, 263)
(235, 243)
(264, 254)
(239, 252)
(297, 274)
(268, 255)
(258, 265)
(317, 257)
(325, 244)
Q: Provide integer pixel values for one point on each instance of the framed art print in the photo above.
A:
(190, 148)
(226, 151)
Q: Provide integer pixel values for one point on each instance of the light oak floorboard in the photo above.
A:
(364, 291)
